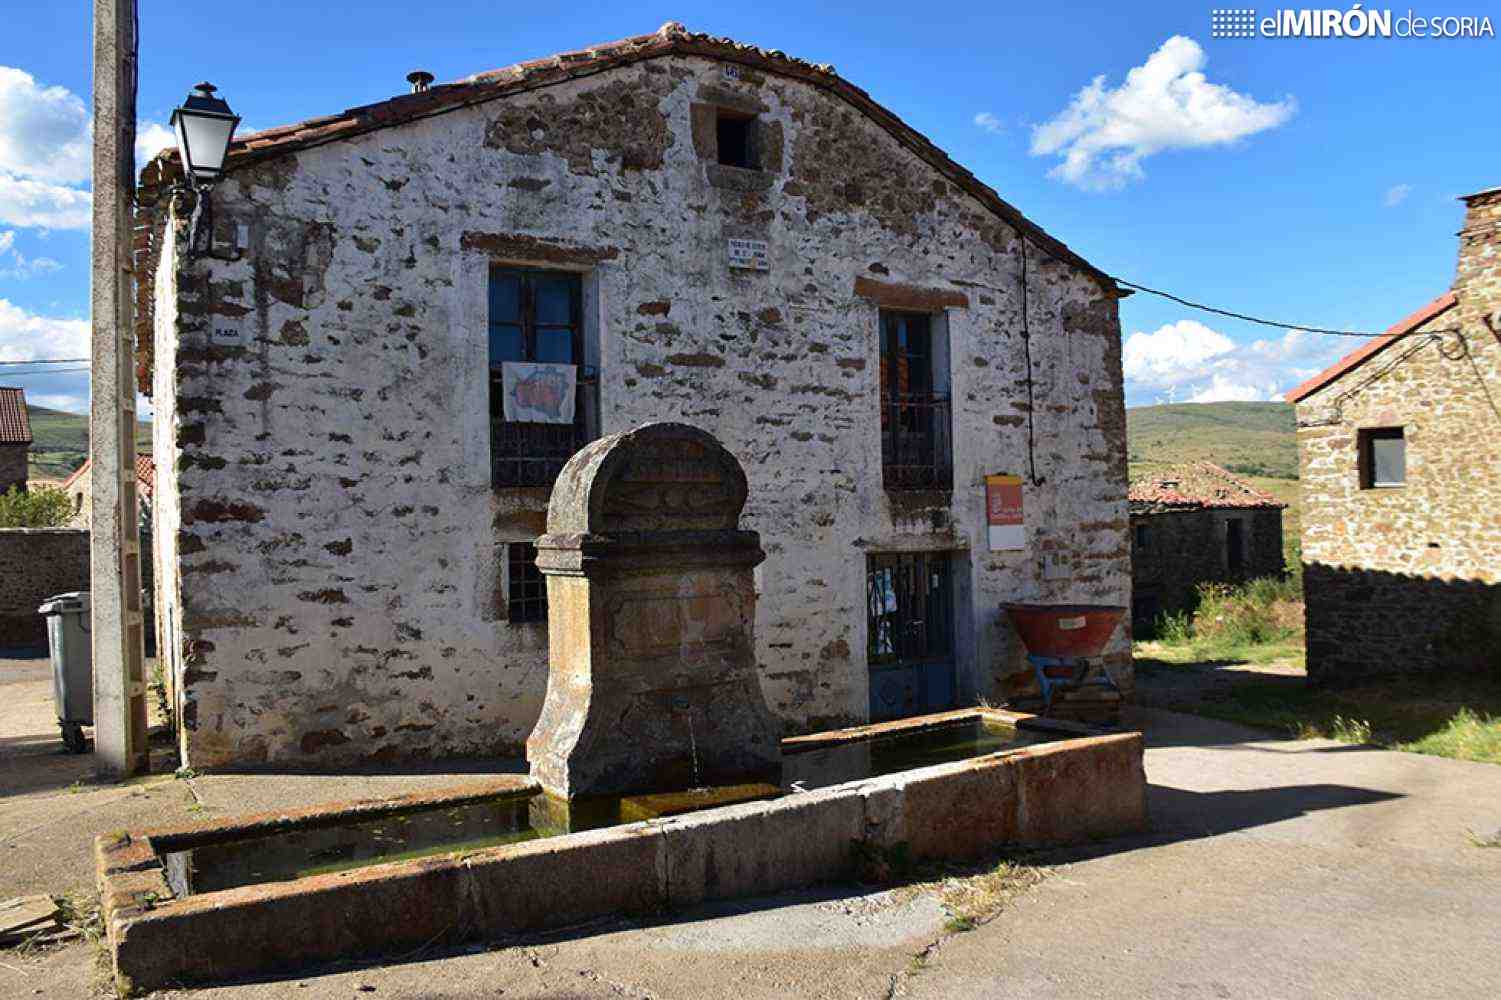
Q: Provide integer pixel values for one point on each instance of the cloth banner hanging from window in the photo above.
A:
(539, 394)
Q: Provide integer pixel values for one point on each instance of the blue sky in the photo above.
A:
(1312, 180)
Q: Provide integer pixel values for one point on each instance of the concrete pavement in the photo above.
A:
(1275, 868)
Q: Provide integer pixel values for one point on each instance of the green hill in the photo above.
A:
(60, 441)
(1255, 440)
(1250, 439)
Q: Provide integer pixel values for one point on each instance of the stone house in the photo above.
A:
(697, 230)
(79, 487)
(1198, 523)
(1400, 454)
(15, 438)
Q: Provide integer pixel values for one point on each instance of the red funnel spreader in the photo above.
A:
(1060, 639)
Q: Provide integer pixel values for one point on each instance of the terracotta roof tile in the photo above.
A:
(1371, 348)
(671, 38)
(15, 422)
(1197, 486)
(145, 475)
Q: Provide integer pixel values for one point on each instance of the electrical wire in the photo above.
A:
(49, 361)
(1242, 316)
(1031, 397)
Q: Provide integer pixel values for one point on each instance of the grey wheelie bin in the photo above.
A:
(72, 665)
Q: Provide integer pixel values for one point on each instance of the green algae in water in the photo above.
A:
(901, 751)
(325, 850)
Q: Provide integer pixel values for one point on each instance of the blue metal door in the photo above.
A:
(910, 635)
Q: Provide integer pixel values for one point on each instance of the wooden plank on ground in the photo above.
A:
(24, 916)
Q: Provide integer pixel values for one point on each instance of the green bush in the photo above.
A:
(42, 507)
(1176, 627)
(1265, 610)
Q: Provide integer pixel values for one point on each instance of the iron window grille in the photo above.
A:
(536, 316)
(526, 587)
(916, 444)
(909, 607)
(1383, 457)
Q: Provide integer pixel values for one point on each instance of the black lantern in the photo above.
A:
(204, 127)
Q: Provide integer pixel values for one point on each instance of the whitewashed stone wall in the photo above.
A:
(339, 533)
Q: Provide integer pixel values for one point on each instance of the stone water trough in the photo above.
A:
(657, 781)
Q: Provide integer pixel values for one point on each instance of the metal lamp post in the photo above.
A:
(204, 125)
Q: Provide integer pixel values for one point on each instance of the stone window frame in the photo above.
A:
(1365, 460)
(471, 329)
(764, 139)
(469, 332)
(941, 376)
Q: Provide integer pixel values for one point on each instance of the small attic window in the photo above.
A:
(734, 134)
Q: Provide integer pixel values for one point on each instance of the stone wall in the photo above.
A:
(323, 404)
(1184, 548)
(13, 469)
(35, 564)
(1408, 579)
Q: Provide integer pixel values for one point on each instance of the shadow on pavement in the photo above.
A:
(1179, 814)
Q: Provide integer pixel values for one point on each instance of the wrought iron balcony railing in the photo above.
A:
(532, 454)
(917, 451)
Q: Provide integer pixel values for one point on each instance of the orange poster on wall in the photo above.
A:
(1003, 513)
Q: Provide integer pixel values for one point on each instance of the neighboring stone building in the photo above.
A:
(713, 234)
(1400, 450)
(15, 438)
(79, 487)
(1193, 524)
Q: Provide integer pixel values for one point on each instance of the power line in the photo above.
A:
(49, 361)
(1243, 316)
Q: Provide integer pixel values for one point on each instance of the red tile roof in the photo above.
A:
(1197, 486)
(1370, 349)
(145, 475)
(671, 39)
(15, 422)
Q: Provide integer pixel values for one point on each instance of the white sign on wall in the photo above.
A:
(749, 255)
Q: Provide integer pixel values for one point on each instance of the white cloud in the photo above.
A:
(44, 131)
(1396, 195)
(14, 264)
(152, 138)
(45, 150)
(1166, 103)
(1187, 361)
(1222, 389)
(989, 123)
(72, 402)
(26, 336)
(29, 203)
(1173, 353)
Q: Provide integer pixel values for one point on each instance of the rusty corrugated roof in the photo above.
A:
(15, 422)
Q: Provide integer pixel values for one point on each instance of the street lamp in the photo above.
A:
(204, 127)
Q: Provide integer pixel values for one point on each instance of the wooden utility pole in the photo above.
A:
(115, 540)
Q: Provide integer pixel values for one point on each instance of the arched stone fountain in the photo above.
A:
(652, 683)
